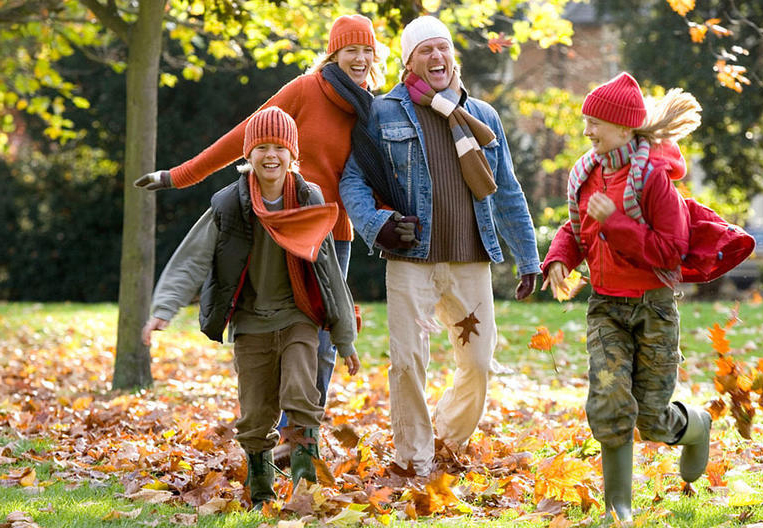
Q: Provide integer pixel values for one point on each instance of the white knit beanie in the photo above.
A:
(419, 30)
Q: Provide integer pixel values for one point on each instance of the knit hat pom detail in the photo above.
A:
(617, 101)
(348, 30)
(271, 125)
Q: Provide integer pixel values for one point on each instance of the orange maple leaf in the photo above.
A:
(718, 31)
(437, 495)
(756, 298)
(697, 32)
(718, 339)
(730, 76)
(543, 340)
(497, 43)
(681, 6)
(557, 477)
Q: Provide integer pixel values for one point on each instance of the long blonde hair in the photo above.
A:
(375, 74)
(674, 116)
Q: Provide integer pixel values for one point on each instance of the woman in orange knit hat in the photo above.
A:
(326, 102)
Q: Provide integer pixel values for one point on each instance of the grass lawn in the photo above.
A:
(74, 454)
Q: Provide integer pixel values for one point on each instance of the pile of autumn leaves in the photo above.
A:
(532, 454)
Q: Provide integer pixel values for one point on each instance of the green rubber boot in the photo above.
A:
(695, 442)
(302, 466)
(260, 478)
(617, 466)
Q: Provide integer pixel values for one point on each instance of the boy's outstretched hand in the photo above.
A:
(152, 324)
(353, 364)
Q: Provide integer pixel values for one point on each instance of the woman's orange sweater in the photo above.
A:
(324, 123)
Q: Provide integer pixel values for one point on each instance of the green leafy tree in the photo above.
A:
(133, 36)
(705, 50)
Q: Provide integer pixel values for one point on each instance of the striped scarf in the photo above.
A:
(635, 152)
(469, 133)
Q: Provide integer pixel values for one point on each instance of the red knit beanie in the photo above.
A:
(350, 29)
(618, 101)
(271, 125)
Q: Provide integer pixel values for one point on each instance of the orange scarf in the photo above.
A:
(300, 231)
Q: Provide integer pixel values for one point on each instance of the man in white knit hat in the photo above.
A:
(449, 154)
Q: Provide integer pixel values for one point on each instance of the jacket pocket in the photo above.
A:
(491, 154)
(400, 146)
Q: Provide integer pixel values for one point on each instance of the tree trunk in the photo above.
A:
(132, 368)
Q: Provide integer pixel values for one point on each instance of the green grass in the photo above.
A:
(85, 504)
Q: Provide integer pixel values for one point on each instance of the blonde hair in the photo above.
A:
(375, 75)
(674, 116)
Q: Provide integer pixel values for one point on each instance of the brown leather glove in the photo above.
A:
(526, 286)
(398, 232)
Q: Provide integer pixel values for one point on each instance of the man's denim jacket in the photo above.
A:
(396, 129)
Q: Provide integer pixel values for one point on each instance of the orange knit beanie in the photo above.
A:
(617, 101)
(271, 125)
(350, 29)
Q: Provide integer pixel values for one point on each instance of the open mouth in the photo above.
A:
(271, 165)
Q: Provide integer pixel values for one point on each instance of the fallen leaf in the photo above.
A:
(350, 516)
(185, 519)
(114, 515)
(215, 505)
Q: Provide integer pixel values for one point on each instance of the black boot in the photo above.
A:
(696, 442)
(302, 455)
(260, 478)
(617, 466)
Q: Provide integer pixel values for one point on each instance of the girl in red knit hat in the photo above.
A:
(630, 224)
(265, 249)
(327, 103)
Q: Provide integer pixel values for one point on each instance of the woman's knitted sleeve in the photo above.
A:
(229, 147)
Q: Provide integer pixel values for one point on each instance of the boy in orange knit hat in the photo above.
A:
(264, 259)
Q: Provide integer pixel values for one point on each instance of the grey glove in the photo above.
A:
(154, 181)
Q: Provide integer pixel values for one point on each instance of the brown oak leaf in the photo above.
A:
(468, 326)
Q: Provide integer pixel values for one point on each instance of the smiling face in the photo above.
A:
(605, 136)
(433, 60)
(356, 61)
(271, 163)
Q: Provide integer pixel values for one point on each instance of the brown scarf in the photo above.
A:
(469, 133)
